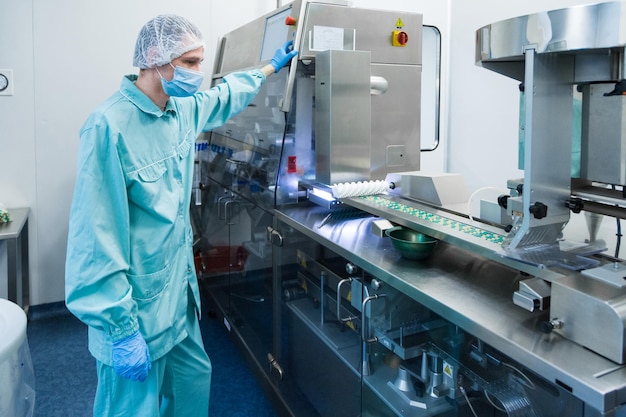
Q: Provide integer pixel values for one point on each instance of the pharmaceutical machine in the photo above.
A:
(299, 199)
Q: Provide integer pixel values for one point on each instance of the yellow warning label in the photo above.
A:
(447, 369)
(399, 23)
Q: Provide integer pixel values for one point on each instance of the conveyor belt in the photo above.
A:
(436, 219)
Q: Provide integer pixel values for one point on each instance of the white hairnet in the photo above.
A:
(164, 38)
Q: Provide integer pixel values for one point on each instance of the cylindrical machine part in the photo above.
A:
(403, 381)
(435, 371)
(436, 364)
(293, 293)
(424, 370)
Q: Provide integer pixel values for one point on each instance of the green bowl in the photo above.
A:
(411, 244)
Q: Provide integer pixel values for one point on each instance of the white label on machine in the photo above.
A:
(324, 38)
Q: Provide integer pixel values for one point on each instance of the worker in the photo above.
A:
(129, 269)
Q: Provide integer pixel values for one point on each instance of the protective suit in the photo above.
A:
(130, 212)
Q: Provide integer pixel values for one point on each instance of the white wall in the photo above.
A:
(17, 115)
(485, 105)
(69, 55)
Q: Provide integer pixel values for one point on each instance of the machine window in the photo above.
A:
(431, 76)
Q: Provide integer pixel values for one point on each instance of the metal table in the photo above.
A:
(15, 233)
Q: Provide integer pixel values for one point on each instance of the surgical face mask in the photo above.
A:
(185, 82)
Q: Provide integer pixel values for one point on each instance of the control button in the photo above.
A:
(399, 38)
(290, 21)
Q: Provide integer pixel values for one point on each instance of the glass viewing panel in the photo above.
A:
(244, 155)
(275, 34)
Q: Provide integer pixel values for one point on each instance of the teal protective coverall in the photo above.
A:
(130, 263)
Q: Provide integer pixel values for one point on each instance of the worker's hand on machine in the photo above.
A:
(283, 55)
(131, 358)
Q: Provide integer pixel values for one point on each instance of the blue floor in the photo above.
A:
(66, 376)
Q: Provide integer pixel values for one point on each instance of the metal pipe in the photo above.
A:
(322, 296)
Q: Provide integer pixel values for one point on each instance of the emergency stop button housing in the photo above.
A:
(399, 38)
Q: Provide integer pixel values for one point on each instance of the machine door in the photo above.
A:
(233, 260)
(317, 341)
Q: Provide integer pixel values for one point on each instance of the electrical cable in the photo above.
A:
(528, 383)
(619, 237)
(492, 403)
(462, 389)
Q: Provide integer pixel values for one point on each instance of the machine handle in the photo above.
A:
(275, 367)
(365, 362)
(228, 214)
(339, 285)
(221, 213)
(364, 332)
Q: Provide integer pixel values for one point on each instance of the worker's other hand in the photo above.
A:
(283, 55)
(131, 358)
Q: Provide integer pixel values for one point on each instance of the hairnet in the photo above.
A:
(164, 38)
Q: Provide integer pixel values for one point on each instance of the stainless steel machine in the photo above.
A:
(558, 56)
(332, 318)
(347, 110)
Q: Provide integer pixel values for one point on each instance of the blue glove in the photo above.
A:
(283, 55)
(131, 358)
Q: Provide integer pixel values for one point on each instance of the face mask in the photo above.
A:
(185, 82)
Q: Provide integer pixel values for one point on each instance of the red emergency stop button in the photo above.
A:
(290, 21)
(399, 38)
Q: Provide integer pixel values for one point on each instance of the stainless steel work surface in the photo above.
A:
(472, 292)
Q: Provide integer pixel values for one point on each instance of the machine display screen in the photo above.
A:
(275, 34)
